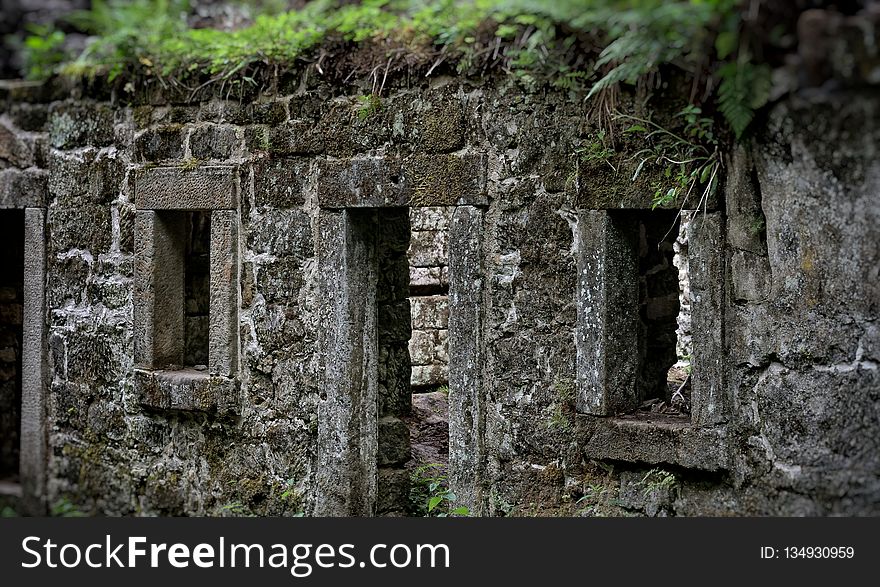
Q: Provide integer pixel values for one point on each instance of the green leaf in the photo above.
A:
(434, 502)
(725, 44)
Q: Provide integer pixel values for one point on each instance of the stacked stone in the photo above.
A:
(429, 285)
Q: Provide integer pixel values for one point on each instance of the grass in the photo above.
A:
(583, 46)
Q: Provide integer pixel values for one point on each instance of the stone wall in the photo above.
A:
(311, 199)
(429, 285)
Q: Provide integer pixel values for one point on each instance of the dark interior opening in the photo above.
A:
(662, 371)
(11, 299)
(197, 289)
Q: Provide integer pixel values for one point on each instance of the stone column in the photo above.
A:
(159, 289)
(466, 357)
(223, 327)
(347, 413)
(33, 451)
(709, 404)
(607, 313)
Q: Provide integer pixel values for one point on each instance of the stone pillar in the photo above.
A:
(607, 313)
(33, 451)
(223, 328)
(466, 356)
(709, 403)
(347, 413)
(159, 289)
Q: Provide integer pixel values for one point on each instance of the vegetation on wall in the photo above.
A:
(580, 45)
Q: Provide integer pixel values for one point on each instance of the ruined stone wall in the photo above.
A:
(429, 285)
(790, 244)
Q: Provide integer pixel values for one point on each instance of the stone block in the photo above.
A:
(430, 218)
(161, 143)
(607, 313)
(393, 492)
(87, 227)
(347, 411)
(173, 188)
(421, 347)
(80, 124)
(272, 113)
(430, 312)
(429, 248)
(33, 449)
(394, 321)
(655, 442)
(280, 183)
(214, 141)
(26, 188)
(283, 233)
(419, 180)
(424, 279)
(440, 129)
(16, 147)
(186, 391)
(429, 375)
(745, 219)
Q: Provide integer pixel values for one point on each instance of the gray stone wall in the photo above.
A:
(429, 284)
(782, 271)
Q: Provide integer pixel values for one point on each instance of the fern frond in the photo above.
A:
(744, 88)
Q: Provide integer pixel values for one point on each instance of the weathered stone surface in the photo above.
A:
(430, 312)
(709, 399)
(347, 413)
(656, 442)
(214, 141)
(187, 390)
(223, 328)
(607, 332)
(466, 399)
(159, 289)
(161, 143)
(80, 124)
(393, 442)
(173, 188)
(421, 180)
(23, 188)
(280, 183)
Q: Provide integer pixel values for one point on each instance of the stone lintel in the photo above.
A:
(23, 188)
(176, 188)
(418, 180)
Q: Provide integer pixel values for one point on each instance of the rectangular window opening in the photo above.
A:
(663, 380)
(11, 333)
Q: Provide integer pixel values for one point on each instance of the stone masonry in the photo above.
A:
(218, 304)
(429, 285)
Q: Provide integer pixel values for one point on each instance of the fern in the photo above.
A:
(744, 88)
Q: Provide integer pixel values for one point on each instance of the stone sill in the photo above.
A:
(10, 488)
(654, 440)
(187, 390)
